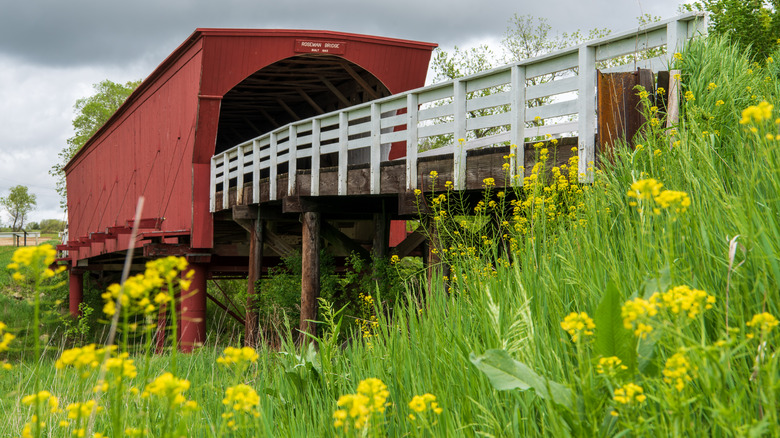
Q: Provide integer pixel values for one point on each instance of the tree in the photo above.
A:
(18, 203)
(91, 113)
(52, 226)
(751, 23)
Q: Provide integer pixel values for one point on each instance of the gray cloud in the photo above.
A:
(77, 32)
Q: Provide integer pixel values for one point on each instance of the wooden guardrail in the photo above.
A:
(366, 131)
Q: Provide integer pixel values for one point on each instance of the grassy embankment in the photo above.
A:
(697, 370)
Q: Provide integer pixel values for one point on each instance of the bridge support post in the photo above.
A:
(75, 291)
(310, 275)
(256, 242)
(192, 316)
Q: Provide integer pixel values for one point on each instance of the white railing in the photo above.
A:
(363, 133)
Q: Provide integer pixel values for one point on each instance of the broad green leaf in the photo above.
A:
(506, 373)
(612, 339)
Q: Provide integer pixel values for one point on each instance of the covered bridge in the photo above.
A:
(219, 88)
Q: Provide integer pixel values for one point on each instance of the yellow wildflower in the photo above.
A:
(238, 356)
(629, 394)
(578, 324)
(763, 323)
(168, 387)
(684, 300)
(678, 201)
(757, 113)
(636, 316)
(610, 365)
(678, 371)
(242, 398)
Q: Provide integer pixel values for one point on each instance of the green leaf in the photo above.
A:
(506, 373)
(612, 339)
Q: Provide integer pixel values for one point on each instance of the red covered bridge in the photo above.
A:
(219, 88)
(250, 144)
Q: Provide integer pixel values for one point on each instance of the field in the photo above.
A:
(642, 304)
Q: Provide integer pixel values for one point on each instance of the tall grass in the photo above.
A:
(726, 243)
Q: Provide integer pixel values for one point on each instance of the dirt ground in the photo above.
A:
(9, 241)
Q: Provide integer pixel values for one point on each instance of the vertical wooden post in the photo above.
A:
(343, 152)
(256, 241)
(315, 157)
(310, 272)
(75, 291)
(586, 107)
(517, 136)
(459, 156)
(411, 141)
(376, 149)
(192, 316)
(381, 244)
(240, 176)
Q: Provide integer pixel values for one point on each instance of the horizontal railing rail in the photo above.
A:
(504, 101)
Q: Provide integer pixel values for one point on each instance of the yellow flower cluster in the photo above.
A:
(84, 359)
(683, 299)
(577, 325)
(648, 192)
(121, 366)
(82, 410)
(757, 113)
(238, 356)
(675, 200)
(6, 337)
(34, 262)
(242, 398)
(689, 96)
(138, 290)
(644, 190)
(636, 316)
(610, 366)
(171, 389)
(629, 395)
(371, 398)
(424, 403)
(763, 323)
(42, 398)
(678, 371)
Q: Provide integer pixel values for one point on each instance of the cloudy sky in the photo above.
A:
(52, 51)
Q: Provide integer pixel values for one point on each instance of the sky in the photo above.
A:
(52, 51)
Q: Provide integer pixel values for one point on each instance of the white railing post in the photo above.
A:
(343, 152)
(676, 36)
(213, 182)
(240, 176)
(517, 136)
(315, 157)
(411, 141)
(272, 168)
(292, 162)
(586, 104)
(459, 155)
(376, 149)
(225, 180)
(255, 171)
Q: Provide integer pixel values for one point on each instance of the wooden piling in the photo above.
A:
(310, 272)
(256, 242)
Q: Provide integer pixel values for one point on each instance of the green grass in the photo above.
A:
(425, 343)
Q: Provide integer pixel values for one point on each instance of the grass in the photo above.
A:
(488, 342)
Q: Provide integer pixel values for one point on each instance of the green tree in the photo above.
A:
(91, 113)
(18, 204)
(751, 23)
(52, 226)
